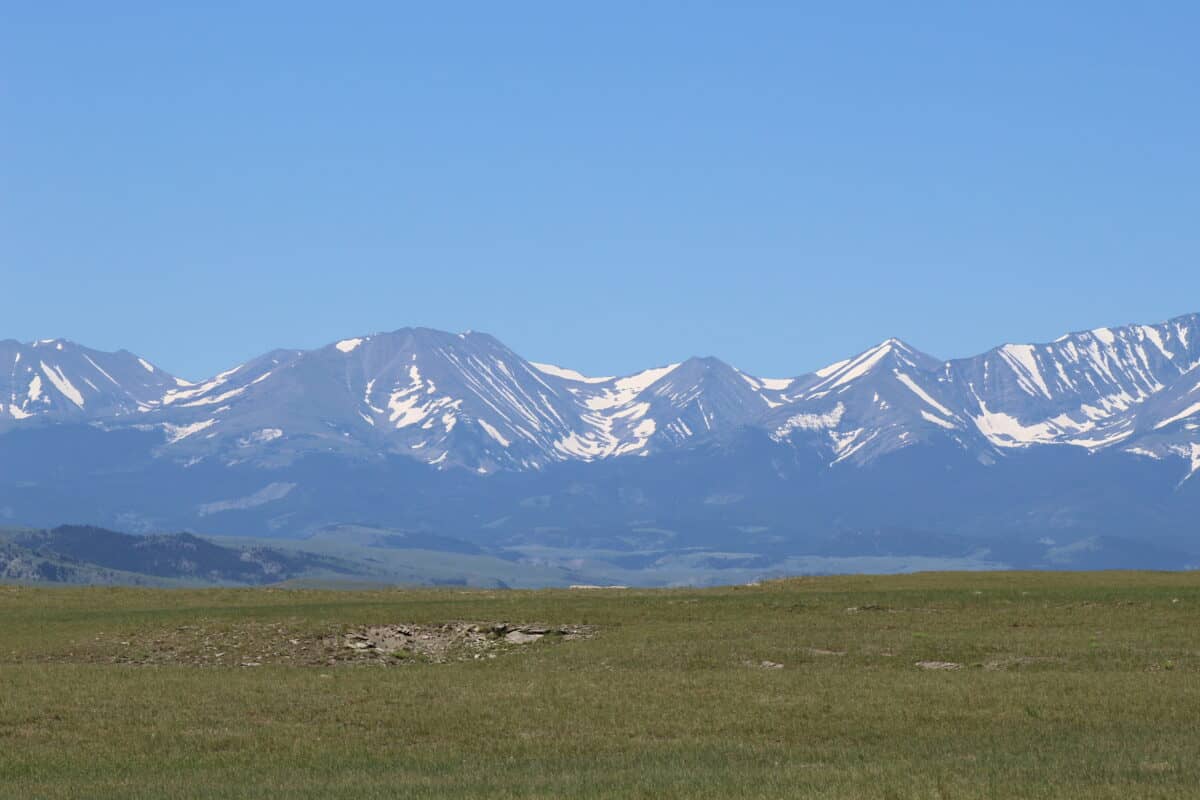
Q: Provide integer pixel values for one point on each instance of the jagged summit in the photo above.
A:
(465, 400)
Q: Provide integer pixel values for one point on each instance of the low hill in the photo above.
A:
(86, 554)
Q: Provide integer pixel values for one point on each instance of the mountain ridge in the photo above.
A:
(466, 400)
(1080, 453)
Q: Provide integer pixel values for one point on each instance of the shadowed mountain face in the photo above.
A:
(441, 434)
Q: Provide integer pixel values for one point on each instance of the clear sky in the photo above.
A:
(606, 185)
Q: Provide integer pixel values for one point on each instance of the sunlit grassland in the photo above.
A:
(1072, 685)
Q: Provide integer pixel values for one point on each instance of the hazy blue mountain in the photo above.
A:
(1025, 454)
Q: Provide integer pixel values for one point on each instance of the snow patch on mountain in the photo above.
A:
(1190, 411)
(810, 422)
(847, 444)
(198, 390)
(1023, 362)
(566, 374)
(491, 431)
(624, 390)
(826, 371)
(213, 400)
(1151, 333)
(414, 404)
(936, 420)
(861, 366)
(260, 437)
(177, 433)
(1005, 430)
(921, 393)
(98, 368)
(68, 390)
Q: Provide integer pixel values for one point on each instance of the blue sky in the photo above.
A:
(608, 185)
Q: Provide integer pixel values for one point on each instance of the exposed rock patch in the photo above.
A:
(763, 664)
(452, 641)
(257, 644)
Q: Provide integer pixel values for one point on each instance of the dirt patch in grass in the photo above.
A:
(257, 644)
(453, 641)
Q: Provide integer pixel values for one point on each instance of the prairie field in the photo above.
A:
(934, 685)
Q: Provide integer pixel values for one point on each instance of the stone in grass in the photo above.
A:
(939, 665)
(521, 637)
(763, 664)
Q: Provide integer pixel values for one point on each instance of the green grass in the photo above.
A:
(1073, 685)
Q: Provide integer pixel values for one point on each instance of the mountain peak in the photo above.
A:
(893, 342)
(890, 354)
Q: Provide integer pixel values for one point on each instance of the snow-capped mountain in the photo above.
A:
(1168, 424)
(59, 380)
(449, 400)
(462, 400)
(467, 401)
(1095, 434)
(887, 398)
(1093, 390)
(659, 408)
(1084, 389)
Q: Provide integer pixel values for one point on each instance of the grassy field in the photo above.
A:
(1071, 685)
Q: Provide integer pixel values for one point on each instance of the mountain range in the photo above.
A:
(1091, 442)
